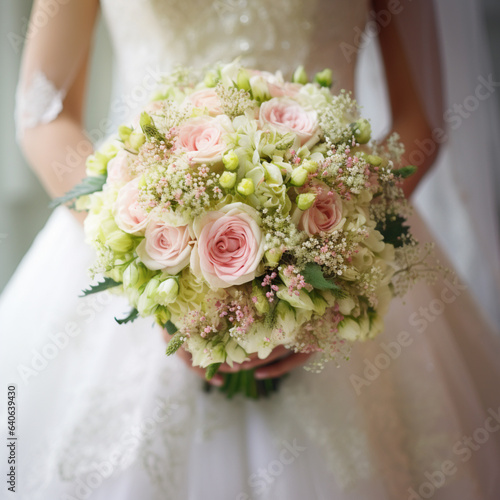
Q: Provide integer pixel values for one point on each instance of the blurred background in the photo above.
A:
(23, 203)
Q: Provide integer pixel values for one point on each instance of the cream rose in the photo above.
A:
(206, 99)
(129, 214)
(287, 115)
(229, 246)
(203, 138)
(325, 215)
(118, 168)
(165, 247)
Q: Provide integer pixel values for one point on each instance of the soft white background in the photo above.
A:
(23, 203)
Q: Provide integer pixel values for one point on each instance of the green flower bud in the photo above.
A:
(300, 76)
(320, 304)
(310, 165)
(146, 304)
(373, 160)
(231, 160)
(362, 130)
(162, 315)
(243, 80)
(119, 241)
(211, 79)
(273, 256)
(305, 200)
(260, 89)
(167, 291)
(262, 304)
(109, 150)
(246, 187)
(299, 176)
(137, 139)
(324, 78)
(116, 273)
(227, 180)
(145, 120)
(96, 164)
(124, 132)
(285, 317)
(135, 275)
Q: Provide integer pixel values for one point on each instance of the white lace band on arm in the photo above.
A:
(37, 103)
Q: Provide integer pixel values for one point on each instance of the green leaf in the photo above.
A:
(170, 327)
(314, 276)
(211, 370)
(89, 185)
(392, 229)
(149, 128)
(405, 172)
(133, 314)
(100, 287)
(177, 340)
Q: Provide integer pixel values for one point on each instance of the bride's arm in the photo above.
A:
(51, 92)
(412, 65)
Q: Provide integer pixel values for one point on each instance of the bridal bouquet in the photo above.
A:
(244, 212)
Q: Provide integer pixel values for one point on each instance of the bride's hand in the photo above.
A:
(279, 362)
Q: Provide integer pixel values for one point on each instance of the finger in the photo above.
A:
(281, 367)
(255, 361)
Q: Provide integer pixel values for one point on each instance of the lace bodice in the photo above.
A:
(152, 35)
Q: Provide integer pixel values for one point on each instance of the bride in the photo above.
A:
(103, 414)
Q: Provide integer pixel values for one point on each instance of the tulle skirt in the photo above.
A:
(102, 413)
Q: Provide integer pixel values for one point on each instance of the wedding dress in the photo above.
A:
(103, 413)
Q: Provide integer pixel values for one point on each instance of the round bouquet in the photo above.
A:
(243, 212)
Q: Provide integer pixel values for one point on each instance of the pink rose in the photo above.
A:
(129, 214)
(288, 115)
(276, 85)
(165, 247)
(285, 89)
(229, 246)
(203, 138)
(325, 215)
(206, 99)
(118, 168)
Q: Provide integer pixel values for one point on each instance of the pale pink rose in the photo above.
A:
(151, 108)
(325, 215)
(288, 115)
(203, 138)
(129, 214)
(206, 99)
(118, 168)
(165, 247)
(229, 246)
(276, 85)
(286, 89)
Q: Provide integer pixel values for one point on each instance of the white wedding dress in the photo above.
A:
(103, 414)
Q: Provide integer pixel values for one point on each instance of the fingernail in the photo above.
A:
(217, 381)
(260, 375)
